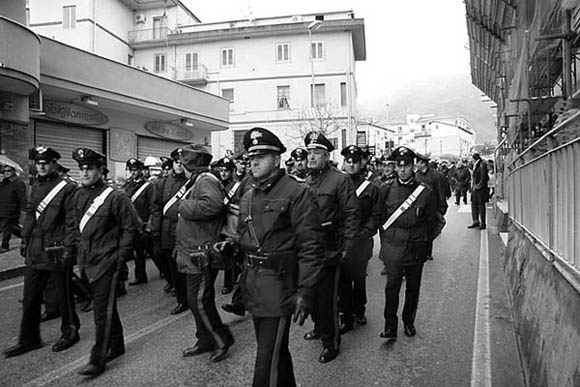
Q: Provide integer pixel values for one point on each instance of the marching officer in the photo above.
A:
(436, 181)
(200, 218)
(142, 193)
(226, 167)
(48, 245)
(281, 236)
(405, 214)
(106, 231)
(353, 296)
(170, 190)
(300, 157)
(339, 214)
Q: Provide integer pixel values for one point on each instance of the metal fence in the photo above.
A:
(544, 200)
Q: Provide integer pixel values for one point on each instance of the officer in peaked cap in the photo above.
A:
(226, 163)
(142, 193)
(48, 247)
(405, 239)
(241, 162)
(259, 141)
(290, 242)
(166, 165)
(339, 219)
(176, 154)
(317, 140)
(300, 157)
(105, 241)
(353, 274)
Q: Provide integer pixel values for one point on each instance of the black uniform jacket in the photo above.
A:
(108, 235)
(462, 178)
(145, 204)
(12, 197)
(339, 211)
(434, 179)
(54, 227)
(366, 200)
(288, 227)
(480, 191)
(407, 239)
(166, 223)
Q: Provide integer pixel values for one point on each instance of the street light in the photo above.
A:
(312, 27)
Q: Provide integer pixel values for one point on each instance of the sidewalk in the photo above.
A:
(11, 263)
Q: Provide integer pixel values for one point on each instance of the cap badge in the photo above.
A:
(255, 135)
(81, 153)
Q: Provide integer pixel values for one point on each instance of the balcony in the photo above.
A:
(20, 58)
(153, 35)
(191, 75)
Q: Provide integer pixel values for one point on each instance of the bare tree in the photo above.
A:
(326, 119)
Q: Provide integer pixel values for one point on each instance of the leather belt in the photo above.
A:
(259, 261)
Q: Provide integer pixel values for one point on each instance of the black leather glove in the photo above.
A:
(301, 310)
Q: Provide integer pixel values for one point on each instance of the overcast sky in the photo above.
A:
(405, 39)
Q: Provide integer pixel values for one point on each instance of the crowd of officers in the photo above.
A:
(292, 243)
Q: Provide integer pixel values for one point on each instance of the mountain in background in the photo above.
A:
(444, 96)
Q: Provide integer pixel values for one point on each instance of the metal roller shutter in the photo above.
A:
(147, 146)
(65, 139)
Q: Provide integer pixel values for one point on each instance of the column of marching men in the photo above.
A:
(292, 243)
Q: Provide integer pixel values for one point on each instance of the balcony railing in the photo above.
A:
(192, 75)
(150, 35)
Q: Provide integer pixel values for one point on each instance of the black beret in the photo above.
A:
(403, 156)
(259, 141)
(315, 140)
(352, 152)
(133, 163)
(299, 154)
(43, 153)
(86, 156)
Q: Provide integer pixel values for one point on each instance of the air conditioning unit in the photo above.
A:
(35, 101)
(140, 18)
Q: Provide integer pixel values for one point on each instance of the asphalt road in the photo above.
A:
(442, 353)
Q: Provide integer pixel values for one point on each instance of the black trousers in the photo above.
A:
(103, 309)
(478, 213)
(395, 275)
(211, 332)
(353, 279)
(325, 311)
(231, 276)
(6, 226)
(461, 193)
(179, 280)
(273, 361)
(34, 283)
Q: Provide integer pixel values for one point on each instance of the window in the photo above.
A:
(160, 63)
(283, 98)
(227, 57)
(69, 17)
(319, 95)
(229, 94)
(317, 50)
(130, 60)
(282, 52)
(343, 96)
(191, 61)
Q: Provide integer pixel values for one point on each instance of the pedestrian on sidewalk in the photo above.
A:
(479, 192)
(48, 245)
(12, 203)
(106, 230)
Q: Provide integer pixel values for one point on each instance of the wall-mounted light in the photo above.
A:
(89, 101)
(186, 122)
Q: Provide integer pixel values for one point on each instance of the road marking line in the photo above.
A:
(464, 208)
(481, 363)
(11, 286)
(504, 237)
(66, 369)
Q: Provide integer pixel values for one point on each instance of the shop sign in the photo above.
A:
(168, 130)
(74, 114)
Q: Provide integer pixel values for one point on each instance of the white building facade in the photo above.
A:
(435, 136)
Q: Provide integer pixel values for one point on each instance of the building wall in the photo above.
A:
(546, 309)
